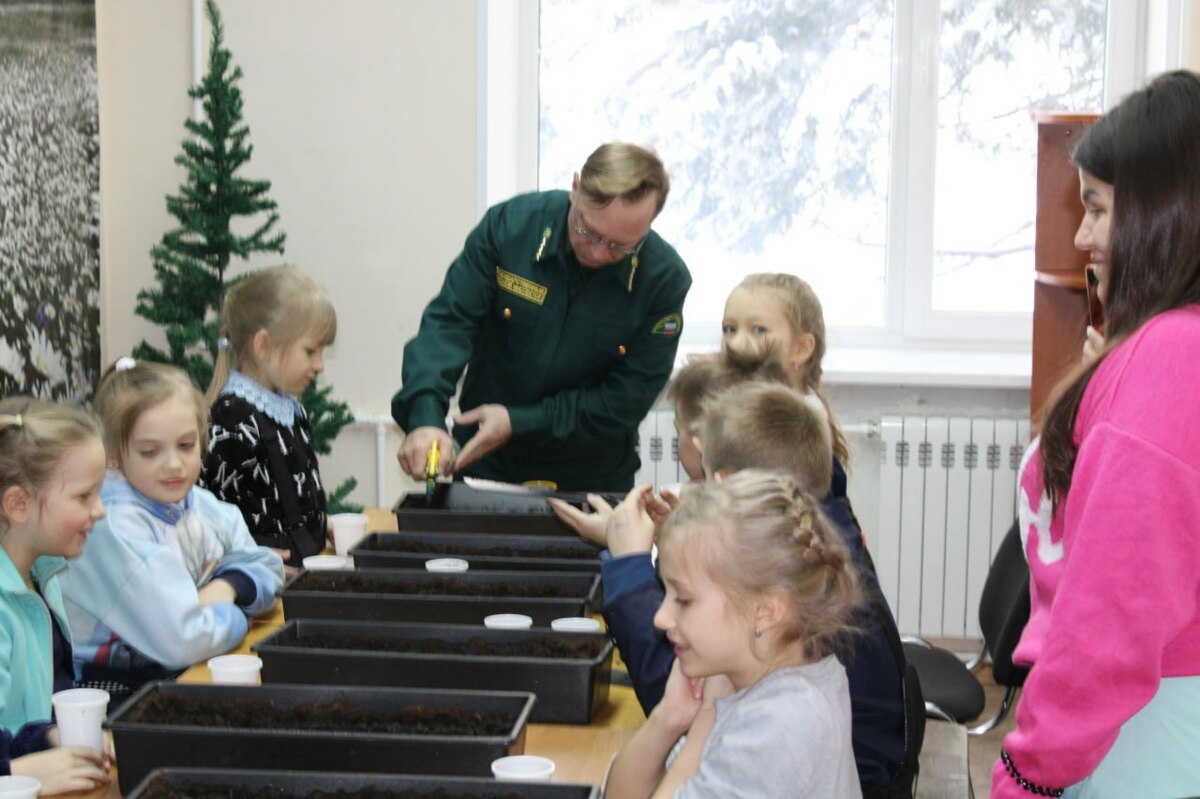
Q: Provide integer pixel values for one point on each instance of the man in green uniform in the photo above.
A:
(566, 310)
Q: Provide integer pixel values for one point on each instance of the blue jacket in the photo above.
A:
(26, 643)
(632, 594)
(133, 593)
(30, 738)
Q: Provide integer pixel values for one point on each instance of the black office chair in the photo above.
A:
(952, 691)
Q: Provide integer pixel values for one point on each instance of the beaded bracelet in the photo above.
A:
(1038, 790)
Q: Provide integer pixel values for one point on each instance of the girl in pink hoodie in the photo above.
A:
(1110, 496)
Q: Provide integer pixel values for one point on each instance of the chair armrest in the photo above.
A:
(916, 640)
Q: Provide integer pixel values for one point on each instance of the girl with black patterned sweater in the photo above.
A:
(275, 326)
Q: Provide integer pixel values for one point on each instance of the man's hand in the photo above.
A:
(415, 450)
(495, 429)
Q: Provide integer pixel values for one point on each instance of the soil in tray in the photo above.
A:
(351, 583)
(338, 716)
(161, 788)
(583, 648)
(433, 548)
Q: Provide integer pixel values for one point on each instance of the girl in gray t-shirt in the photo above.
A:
(759, 589)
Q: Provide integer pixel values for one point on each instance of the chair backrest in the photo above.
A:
(1004, 607)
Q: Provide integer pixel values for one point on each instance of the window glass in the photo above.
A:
(773, 123)
(776, 121)
(999, 62)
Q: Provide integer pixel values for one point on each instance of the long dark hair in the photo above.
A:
(1148, 148)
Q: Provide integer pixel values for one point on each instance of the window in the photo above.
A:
(882, 149)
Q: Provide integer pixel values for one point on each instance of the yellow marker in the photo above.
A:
(431, 467)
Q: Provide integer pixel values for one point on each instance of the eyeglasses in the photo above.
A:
(592, 238)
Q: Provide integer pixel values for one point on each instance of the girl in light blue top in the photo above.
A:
(171, 576)
(51, 465)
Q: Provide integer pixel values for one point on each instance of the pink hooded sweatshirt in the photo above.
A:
(1115, 573)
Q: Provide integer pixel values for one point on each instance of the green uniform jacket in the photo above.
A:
(576, 355)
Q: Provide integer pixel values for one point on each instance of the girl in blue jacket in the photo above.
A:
(51, 466)
(171, 576)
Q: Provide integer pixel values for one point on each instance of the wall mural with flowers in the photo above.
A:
(49, 200)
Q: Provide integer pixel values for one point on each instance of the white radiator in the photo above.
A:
(947, 495)
(658, 447)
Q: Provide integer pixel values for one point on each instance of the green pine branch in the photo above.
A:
(326, 416)
(337, 498)
(191, 260)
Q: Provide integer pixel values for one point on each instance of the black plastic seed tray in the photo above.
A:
(364, 595)
(483, 551)
(459, 508)
(568, 689)
(142, 747)
(162, 783)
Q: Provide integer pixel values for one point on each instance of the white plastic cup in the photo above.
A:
(235, 669)
(575, 624)
(348, 530)
(525, 768)
(447, 565)
(19, 787)
(316, 563)
(79, 714)
(508, 621)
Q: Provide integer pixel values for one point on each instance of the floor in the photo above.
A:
(983, 750)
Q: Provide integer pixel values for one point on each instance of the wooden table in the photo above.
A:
(580, 753)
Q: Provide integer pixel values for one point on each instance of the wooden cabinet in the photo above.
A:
(1060, 304)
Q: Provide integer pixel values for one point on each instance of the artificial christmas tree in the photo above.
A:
(191, 261)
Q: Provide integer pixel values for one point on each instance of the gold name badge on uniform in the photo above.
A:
(521, 287)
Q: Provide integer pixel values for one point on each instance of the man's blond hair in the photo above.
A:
(624, 171)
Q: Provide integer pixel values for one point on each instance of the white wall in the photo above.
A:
(363, 116)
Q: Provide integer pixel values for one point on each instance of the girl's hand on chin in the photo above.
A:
(681, 701)
(717, 686)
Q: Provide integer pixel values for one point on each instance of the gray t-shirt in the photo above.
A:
(786, 735)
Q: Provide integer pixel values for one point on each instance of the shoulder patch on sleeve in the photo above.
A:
(669, 325)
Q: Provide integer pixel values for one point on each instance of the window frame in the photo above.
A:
(1142, 38)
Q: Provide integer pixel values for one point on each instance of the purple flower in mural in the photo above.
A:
(41, 317)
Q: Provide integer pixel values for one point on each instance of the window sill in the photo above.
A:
(917, 367)
(880, 366)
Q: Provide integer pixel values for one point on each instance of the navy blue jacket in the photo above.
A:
(632, 594)
(30, 738)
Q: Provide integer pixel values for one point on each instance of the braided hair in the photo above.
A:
(760, 533)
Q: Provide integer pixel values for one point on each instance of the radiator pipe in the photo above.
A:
(197, 55)
(381, 422)
(867, 429)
